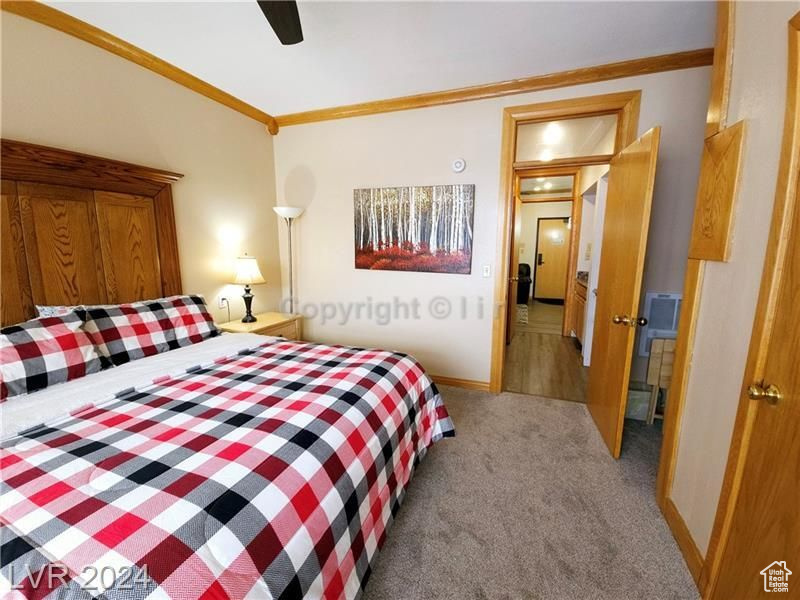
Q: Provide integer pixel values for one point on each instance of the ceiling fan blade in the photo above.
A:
(284, 19)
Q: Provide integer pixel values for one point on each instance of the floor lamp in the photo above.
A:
(289, 214)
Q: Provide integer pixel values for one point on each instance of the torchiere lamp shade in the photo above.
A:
(289, 214)
(247, 274)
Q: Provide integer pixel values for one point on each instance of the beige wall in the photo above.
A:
(730, 290)
(59, 91)
(318, 166)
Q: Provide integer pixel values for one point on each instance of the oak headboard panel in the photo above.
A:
(79, 229)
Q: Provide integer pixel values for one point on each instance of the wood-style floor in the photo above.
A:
(543, 318)
(544, 364)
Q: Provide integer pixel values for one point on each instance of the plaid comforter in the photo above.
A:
(273, 473)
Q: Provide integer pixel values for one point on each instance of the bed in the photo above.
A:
(235, 466)
(271, 471)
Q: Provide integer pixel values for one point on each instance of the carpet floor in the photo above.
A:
(526, 503)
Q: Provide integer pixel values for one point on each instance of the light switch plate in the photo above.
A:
(487, 270)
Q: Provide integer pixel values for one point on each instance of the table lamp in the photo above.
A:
(247, 274)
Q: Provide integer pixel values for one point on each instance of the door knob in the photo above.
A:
(513, 278)
(758, 392)
(626, 320)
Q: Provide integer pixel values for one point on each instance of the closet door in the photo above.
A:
(61, 243)
(17, 303)
(129, 243)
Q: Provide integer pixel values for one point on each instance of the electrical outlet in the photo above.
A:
(223, 302)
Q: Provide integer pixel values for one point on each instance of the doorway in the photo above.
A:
(542, 358)
(603, 129)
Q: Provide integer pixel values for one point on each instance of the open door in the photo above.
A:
(513, 267)
(627, 220)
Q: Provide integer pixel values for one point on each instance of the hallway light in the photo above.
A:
(553, 133)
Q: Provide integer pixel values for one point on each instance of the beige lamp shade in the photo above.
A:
(247, 271)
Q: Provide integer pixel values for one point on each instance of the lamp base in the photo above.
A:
(248, 302)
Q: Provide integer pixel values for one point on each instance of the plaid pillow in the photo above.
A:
(126, 332)
(190, 319)
(43, 352)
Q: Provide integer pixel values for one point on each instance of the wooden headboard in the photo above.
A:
(78, 229)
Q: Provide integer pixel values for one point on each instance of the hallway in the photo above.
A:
(545, 364)
(542, 317)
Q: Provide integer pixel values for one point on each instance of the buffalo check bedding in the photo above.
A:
(272, 473)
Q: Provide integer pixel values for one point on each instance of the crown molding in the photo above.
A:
(627, 68)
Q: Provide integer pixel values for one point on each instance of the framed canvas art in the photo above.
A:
(416, 228)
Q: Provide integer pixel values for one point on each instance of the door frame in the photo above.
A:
(575, 217)
(624, 104)
(536, 258)
(786, 202)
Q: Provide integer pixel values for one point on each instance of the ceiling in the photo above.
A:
(360, 51)
(555, 187)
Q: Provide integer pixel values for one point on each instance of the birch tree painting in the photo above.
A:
(425, 228)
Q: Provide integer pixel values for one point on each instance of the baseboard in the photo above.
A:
(468, 384)
(694, 560)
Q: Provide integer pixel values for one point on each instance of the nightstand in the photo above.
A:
(271, 323)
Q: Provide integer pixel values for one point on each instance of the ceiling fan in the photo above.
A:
(284, 19)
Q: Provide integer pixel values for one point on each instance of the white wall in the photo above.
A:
(591, 173)
(62, 92)
(531, 213)
(730, 289)
(586, 241)
(598, 220)
(318, 165)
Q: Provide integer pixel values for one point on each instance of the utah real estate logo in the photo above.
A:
(776, 577)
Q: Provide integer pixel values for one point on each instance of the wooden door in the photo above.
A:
(17, 303)
(128, 239)
(757, 523)
(552, 257)
(513, 267)
(627, 220)
(62, 244)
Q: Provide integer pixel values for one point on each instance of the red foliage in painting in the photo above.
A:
(397, 258)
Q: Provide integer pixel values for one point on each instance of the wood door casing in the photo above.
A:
(16, 303)
(129, 244)
(61, 244)
(626, 224)
(513, 267)
(552, 243)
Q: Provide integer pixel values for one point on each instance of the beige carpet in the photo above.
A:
(526, 503)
